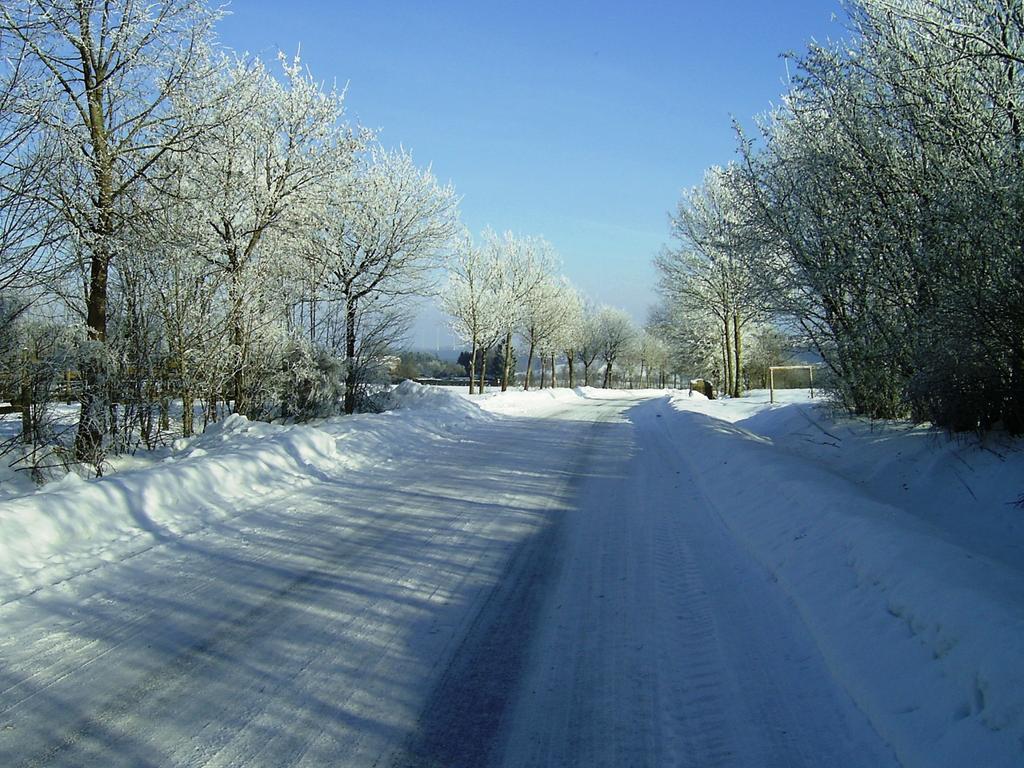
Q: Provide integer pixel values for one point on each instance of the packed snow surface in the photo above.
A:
(557, 577)
(902, 549)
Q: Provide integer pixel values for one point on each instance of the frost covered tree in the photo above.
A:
(526, 263)
(588, 342)
(843, 272)
(693, 338)
(652, 356)
(495, 291)
(568, 336)
(101, 80)
(881, 201)
(768, 346)
(263, 174)
(713, 270)
(471, 298)
(25, 229)
(542, 314)
(615, 332)
(386, 229)
(555, 325)
(889, 176)
(189, 298)
(208, 226)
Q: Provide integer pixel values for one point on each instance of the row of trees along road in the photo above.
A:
(877, 210)
(182, 223)
(507, 286)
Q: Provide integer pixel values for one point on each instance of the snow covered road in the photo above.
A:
(553, 590)
(662, 643)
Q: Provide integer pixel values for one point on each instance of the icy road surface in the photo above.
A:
(540, 591)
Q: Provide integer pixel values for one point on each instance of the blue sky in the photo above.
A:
(579, 121)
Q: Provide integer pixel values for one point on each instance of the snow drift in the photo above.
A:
(924, 629)
(902, 550)
(73, 525)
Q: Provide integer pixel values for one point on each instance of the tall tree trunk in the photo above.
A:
(737, 348)
(352, 372)
(238, 377)
(1013, 405)
(728, 358)
(508, 369)
(187, 417)
(483, 369)
(235, 300)
(608, 374)
(724, 387)
(472, 365)
(568, 360)
(92, 420)
(529, 368)
(26, 400)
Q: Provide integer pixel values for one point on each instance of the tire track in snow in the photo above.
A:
(694, 728)
(462, 719)
(104, 728)
(202, 700)
(663, 644)
(626, 670)
(628, 630)
(790, 709)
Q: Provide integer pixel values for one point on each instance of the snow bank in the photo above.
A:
(15, 477)
(962, 487)
(540, 402)
(439, 402)
(530, 403)
(73, 525)
(925, 631)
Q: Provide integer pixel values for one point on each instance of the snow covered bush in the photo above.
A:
(879, 212)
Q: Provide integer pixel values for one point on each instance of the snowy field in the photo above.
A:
(560, 577)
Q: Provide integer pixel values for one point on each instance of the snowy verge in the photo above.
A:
(925, 634)
(439, 403)
(964, 487)
(541, 402)
(72, 526)
(519, 403)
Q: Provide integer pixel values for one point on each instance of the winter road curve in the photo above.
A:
(525, 592)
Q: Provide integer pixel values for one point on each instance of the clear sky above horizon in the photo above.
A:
(578, 121)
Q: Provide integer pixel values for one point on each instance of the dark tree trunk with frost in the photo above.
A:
(352, 370)
(508, 369)
(483, 368)
(529, 368)
(738, 352)
(92, 421)
(472, 365)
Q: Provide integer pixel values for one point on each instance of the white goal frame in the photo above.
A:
(771, 377)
